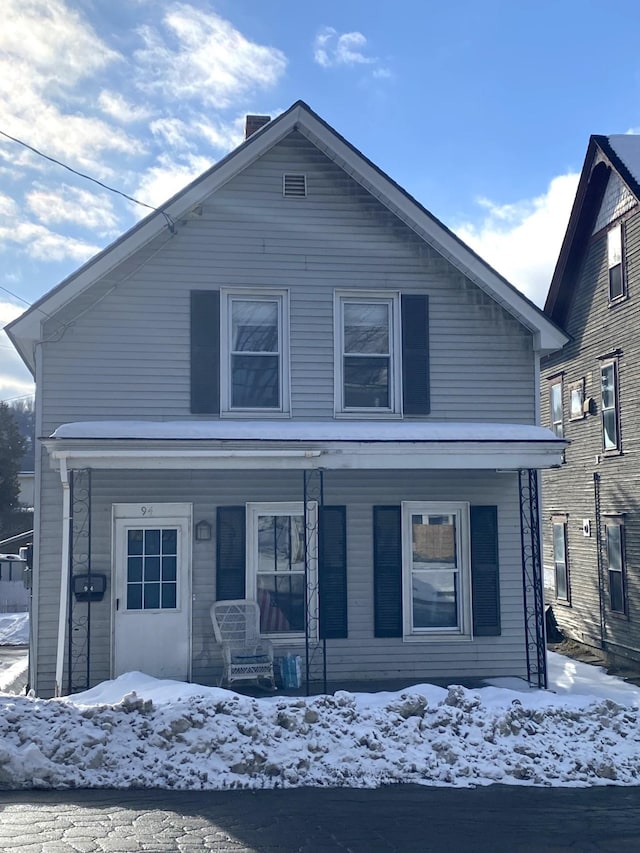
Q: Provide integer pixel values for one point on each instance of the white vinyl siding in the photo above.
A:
(129, 352)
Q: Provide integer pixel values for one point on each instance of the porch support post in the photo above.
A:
(532, 588)
(63, 603)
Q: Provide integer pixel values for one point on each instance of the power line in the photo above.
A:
(168, 219)
(15, 295)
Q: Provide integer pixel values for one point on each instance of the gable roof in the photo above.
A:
(25, 330)
(605, 155)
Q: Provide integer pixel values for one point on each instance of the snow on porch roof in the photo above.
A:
(359, 431)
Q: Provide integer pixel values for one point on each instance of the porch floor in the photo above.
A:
(392, 685)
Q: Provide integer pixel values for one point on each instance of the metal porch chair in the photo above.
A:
(246, 655)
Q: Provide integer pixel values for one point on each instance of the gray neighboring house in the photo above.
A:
(591, 521)
(292, 384)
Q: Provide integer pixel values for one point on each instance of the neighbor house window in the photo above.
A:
(576, 400)
(555, 406)
(616, 272)
(614, 530)
(609, 406)
(276, 565)
(367, 364)
(255, 342)
(436, 568)
(560, 558)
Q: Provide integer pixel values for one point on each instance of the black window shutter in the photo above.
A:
(205, 352)
(332, 572)
(415, 354)
(485, 578)
(230, 552)
(387, 571)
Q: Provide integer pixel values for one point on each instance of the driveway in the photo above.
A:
(402, 818)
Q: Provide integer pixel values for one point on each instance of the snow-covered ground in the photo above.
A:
(142, 732)
(14, 629)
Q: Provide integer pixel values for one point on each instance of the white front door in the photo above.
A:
(152, 590)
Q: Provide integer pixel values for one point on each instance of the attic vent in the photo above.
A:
(294, 185)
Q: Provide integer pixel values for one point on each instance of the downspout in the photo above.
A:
(64, 573)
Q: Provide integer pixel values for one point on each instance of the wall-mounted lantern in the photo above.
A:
(203, 531)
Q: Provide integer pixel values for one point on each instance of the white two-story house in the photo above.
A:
(291, 384)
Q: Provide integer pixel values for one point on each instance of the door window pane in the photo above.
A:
(151, 561)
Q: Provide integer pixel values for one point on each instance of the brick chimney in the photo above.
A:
(254, 123)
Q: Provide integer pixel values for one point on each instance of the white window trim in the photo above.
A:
(464, 629)
(253, 510)
(391, 298)
(227, 295)
(610, 363)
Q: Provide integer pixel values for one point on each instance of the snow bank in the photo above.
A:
(140, 732)
(14, 629)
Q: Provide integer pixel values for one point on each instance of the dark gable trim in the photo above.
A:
(415, 354)
(332, 572)
(589, 195)
(205, 352)
(230, 552)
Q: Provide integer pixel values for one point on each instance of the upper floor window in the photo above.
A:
(614, 255)
(576, 400)
(367, 361)
(555, 406)
(255, 347)
(609, 407)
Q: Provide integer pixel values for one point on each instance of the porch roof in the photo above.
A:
(284, 444)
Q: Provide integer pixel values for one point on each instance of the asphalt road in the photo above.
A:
(406, 819)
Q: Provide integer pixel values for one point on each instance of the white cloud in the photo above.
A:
(522, 240)
(69, 204)
(120, 109)
(173, 131)
(168, 176)
(50, 38)
(15, 380)
(46, 50)
(45, 245)
(332, 49)
(213, 61)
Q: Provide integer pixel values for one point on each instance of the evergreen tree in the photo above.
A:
(12, 447)
(26, 419)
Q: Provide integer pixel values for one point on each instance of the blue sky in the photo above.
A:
(482, 109)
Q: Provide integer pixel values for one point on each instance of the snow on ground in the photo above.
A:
(14, 629)
(142, 732)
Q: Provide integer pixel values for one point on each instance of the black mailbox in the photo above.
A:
(89, 587)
